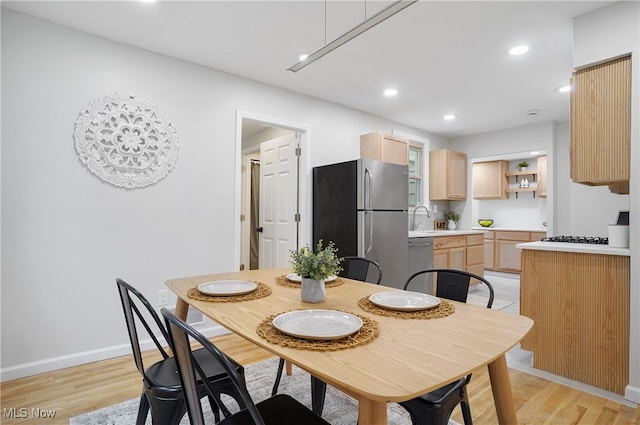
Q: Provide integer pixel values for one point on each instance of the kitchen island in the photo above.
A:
(578, 297)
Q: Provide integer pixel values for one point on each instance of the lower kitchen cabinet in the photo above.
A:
(501, 253)
(459, 252)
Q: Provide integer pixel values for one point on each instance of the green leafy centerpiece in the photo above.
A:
(314, 268)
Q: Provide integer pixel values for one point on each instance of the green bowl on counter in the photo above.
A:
(485, 222)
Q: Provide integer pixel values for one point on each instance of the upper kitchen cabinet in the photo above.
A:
(490, 180)
(542, 176)
(384, 147)
(447, 175)
(601, 124)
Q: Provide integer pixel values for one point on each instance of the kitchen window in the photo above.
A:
(415, 174)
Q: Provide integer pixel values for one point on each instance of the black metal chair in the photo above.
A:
(357, 268)
(277, 410)
(360, 268)
(162, 391)
(435, 407)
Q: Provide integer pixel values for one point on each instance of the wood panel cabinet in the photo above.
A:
(601, 123)
(490, 180)
(489, 257)
(384, 147)
(580, 307)
(447, 175)
(501, 253)
(460, 252)
(542, 176)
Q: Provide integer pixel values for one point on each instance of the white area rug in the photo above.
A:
(482, 300)
(339, 409)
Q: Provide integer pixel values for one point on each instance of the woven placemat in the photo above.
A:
(283, 281)
(261, 291)
(443, 310)
(367, 333)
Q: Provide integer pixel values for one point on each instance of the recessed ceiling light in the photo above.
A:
(533, 112)
(518, 50)
(303, 57)
(390, 92)
(449, 117)
(534, 153)
(564, 89)
(147, 1)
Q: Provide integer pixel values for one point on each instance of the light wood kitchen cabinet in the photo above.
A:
(542, 176)
(601, 123)
(447, 175)
(384, 147)
(489, 257)
(460, 252)
(490, 180)
(506, 257)
(580, 307)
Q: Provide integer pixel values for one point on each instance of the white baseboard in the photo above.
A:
(632, 393)
(55, 363)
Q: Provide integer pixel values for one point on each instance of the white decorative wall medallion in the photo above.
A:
(126, 141)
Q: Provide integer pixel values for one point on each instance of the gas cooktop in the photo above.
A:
(577, 239)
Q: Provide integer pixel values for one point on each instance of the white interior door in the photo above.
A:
(278, 200)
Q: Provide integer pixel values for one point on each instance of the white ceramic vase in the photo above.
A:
(451, 225)
(312, 290)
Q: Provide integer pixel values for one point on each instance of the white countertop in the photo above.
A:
(513, 229)
(436, 233)
(575, 247)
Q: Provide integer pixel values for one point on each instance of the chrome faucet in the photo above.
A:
(413, 220)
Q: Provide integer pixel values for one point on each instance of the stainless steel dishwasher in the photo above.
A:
(421, 258)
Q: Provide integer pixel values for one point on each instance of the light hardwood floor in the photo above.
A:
(73, 391)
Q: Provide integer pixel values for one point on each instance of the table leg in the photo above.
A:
(288, 367)
(182, 308)
(501, 387)
(372, 412)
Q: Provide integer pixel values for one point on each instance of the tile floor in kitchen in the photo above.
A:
(507, 288)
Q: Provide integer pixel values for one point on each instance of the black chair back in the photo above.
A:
(454, 284)
(190, 370)
(135, 307)
(359, 268)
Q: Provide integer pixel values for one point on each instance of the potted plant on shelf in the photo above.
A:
(313, 268)
(523, 165)
(452, 217)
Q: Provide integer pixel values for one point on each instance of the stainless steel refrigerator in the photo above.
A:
(361, 206)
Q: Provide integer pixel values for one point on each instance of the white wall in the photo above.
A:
(67, 235)
(525, 212)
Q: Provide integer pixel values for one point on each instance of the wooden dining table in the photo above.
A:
(409, 357)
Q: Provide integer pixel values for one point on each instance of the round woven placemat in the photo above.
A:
(283, 281)
(261, 291)
(443, 310)
(367, 333)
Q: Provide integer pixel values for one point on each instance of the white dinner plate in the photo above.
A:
(404, 300)
(222, 288)
(317, 324)
(296, 278)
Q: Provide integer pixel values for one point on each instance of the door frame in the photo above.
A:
(304, 177)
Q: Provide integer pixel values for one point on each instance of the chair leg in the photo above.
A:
(318, 393)
(276, 384)
(466, 412)
(143, 410)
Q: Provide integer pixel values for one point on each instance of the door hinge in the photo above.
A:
(242, 217)
(298, 151)
(296, 218)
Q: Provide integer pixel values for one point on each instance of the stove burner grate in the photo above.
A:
(578, 239)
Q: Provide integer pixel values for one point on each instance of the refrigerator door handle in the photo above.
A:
(367, 188)
(370, 246)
